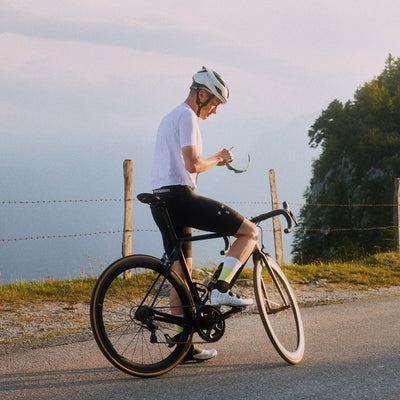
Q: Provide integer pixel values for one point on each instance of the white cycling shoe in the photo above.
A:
(197, 354)
(228, 299)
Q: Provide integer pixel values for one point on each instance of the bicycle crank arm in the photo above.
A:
(228, 314)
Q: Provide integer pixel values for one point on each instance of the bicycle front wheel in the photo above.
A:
(278, 309)
(133, 320)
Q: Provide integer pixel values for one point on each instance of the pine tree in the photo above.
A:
(360, 158)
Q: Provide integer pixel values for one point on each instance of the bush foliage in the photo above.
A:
(360, 158)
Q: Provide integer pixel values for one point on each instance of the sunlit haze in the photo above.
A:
(84, 84)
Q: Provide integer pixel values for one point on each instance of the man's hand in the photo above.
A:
(196, 164)
(225, 157)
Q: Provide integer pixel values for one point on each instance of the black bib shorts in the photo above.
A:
(189, 210)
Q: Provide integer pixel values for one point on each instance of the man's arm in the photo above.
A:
(194, 163)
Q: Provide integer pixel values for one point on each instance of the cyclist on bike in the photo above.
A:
(177, 162)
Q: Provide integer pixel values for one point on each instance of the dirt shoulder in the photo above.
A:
(41, 323)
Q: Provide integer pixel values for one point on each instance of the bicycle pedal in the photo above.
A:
(172, 341)
(169, 340)
(237, 309)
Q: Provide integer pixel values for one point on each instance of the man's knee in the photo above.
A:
(248, 229)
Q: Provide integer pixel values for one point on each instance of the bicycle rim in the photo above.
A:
(125, 323)
(278, 310)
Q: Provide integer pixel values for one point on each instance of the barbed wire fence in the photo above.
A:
(118, 231)
(128, 227)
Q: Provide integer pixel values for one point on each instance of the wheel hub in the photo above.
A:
(143, 313)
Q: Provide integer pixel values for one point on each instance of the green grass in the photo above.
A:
(71, 290)
(380, 270)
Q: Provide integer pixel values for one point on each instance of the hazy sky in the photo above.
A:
(88, 67)
(84, 84)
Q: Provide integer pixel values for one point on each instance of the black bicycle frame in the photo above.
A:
(177, 252)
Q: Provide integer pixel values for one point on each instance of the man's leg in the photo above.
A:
(175, 302)
(195, 353)
(241, 249)
(246, 239)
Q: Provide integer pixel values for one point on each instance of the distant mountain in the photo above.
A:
(93, 170)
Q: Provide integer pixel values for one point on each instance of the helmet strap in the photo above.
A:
(200, 105)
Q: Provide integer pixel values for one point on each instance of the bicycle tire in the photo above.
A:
(278, 309)
(126, 339)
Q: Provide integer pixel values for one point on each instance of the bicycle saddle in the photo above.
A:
(148, 198)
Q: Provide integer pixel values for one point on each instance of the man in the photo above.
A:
(177, 162)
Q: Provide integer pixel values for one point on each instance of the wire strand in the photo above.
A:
(152, 230)
(5, 202)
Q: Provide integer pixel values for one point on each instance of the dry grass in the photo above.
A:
(380, 270)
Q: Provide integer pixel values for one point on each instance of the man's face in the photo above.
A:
(210, 107)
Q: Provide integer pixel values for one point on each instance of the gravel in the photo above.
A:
(42, 324)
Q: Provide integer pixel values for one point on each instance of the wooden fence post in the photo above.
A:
(128, 194)
(276, 222)
(396, 215)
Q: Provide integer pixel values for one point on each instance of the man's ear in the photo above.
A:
(204, 95)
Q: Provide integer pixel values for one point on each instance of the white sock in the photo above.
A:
(229, 269)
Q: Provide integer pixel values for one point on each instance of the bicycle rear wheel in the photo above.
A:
(278, 309)
(132, 319)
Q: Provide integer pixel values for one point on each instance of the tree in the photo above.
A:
(360, 158)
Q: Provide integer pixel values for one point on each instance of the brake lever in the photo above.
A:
(227, 246)
(289, 211)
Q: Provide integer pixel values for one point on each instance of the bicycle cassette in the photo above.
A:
(209, 324)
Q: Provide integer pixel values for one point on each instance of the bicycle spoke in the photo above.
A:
(132, 318)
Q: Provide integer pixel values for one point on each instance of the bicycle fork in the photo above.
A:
(273, 307)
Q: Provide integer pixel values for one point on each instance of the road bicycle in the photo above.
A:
(134, 322)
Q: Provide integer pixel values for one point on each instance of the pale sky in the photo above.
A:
(123, 64)
(85, 83)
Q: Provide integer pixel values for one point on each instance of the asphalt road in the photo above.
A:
(352, 352)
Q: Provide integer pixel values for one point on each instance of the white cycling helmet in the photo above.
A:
(212, 82)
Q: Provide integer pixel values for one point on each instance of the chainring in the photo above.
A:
(209, 326)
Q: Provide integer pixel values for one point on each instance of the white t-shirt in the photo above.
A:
(179, 128)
